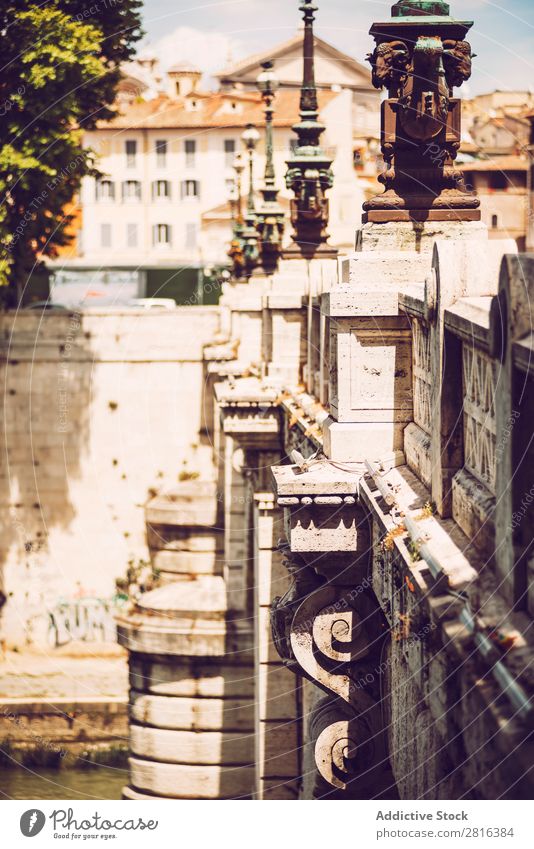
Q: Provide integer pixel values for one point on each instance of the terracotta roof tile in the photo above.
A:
(166, 113)
(499, 163)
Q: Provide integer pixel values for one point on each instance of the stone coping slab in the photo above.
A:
(469, 319)
(243, 390)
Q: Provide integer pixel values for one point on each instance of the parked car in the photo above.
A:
(153, 303)
(47, 306)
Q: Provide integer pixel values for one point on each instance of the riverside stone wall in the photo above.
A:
(100, 409)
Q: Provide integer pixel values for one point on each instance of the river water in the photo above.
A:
(99, 782)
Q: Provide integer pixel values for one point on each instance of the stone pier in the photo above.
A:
(190, 660)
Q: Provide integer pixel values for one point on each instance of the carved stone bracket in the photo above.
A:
(333, 635)
(330, 630)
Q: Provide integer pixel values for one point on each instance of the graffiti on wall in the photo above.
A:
(89, 620)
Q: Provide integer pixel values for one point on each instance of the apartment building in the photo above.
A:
(167, 160)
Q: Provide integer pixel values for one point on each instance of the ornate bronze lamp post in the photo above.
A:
(270, 217)
(420, 56)
(236, 246)
(310, 173)
(250, 139)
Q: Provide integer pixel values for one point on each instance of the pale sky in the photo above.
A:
(207, 32)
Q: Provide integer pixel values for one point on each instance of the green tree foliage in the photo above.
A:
(59, 71)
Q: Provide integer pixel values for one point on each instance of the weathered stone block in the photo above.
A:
(278, 749)
(192, 714)
(353, 443)
(191, 678)
(179, 781)
(277, 692)
(192, 747)
(271, 577)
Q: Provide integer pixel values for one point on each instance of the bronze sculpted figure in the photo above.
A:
(420, 57)
(457, 57)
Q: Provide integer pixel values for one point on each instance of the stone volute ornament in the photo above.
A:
(421, 55)
(309, 174)
(270, 215)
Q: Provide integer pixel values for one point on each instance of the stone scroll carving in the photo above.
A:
(333, 635)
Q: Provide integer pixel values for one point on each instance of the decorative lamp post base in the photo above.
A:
(420, 56)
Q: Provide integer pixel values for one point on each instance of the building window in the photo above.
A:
(494, 222)
(191, 230)
(190, 153)
(230, 188)
(105, 235)
(131, 235)
(131, 153)
(499, 181)
(190, 189)
(161, 153)
(161, 189)
(177, 88)
(229, 152)
(131, 190)
(105, 190)
(161, 235)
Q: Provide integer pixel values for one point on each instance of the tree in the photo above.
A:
(59, 71)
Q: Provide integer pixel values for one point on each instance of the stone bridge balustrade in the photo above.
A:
(461, 269)
(471, 449)
(512, 346)
(452, 730)
(436, 420)
(242, 308)
(398, 381)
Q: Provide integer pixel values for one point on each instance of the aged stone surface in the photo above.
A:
(191, 697)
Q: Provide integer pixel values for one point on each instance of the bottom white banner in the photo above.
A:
(505, 824)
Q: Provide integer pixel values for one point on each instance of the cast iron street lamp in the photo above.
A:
(270, 217)
(309, 173)
(250, 139)
(236, 246)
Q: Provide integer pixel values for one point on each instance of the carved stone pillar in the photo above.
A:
(277, 726)
(370, 364)
(329, 629)
(251, 429)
